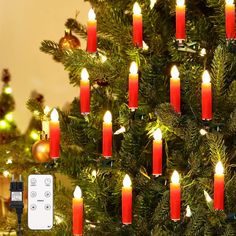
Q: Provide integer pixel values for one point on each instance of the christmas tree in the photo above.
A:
(196, 137)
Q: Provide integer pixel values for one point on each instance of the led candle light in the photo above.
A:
(126, 201)
(157, 153)
(175, 89)
(107, 135)
(45, 121)
(84, 93)
(54, 135)
(206, 96)
(133, 86)
(92, 32)
(175, 197)
(230, 19)
(137, 26)
(180, 21)
(77, 210)
(219, 187)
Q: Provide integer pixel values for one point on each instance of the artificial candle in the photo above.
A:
(137, 26)
(127, 201)
(107, 135)
(206, 96)
(230, 19)
(84, 92)
(219, 187)
(180, 20)
(54, 135)
(77, 211)
(175, 197)
(157, 153)
(92, 32)
(133, 86)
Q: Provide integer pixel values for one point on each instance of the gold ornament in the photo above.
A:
(40, 151)
(69, 41)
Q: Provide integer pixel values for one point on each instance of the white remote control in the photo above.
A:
(40, 202)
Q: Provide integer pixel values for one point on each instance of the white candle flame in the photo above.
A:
(174, 72)
(175, 177)
(127, 181)
(136, 9)
(229, 2)
(77, 192)
(54, 115)
(107, 117)
(84, 74)
(206, 77)
(133, 68)
(180, 2)
(157, 135)
(219, 168)
(91, 14)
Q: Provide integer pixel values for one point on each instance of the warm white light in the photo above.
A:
(127, 181)
(77, 192)
(120, 131)
(145, 46)
(230, 2)
(3, 124)
(107, 117)
(54, 115)
(157, 135)
(91, 14)
(219, 168)
(133, 68)
(6, 173)
(58, 220)
(203, 132)
(206, 77)
(207, 196)
(180, 2)
(84, 74)
(175, 177)
(188, 211)
(9, 161)
(9, 117)
(152, 3)
(94, 173)
(174, 72)
(8, 90)
(46, 110)
(203, 52)
(34, 135)
(103, 58)
(136, 9)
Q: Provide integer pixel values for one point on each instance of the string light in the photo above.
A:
(34, 135)
(207, 196)
(9, 117)
(9, 161)
(188, 211)
(152, 3)
(7, 90)
(120, 131)
(203, 52)
(94, 173)
(6, 173)
(203, 132)
(145, 46)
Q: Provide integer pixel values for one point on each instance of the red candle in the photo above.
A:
(133, 86)
(54, 135)
(219, 187)
(157, 153)
(180, 21)
(137, 26)
(206, 96)
(92, 32)
(107, 135)
(77, 211)
(230, 19)
(45, 121)
(84, 93)
(175, 89)
(175, 197)
(127, 201)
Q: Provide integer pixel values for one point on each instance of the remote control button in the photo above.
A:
(33, 207)
(47, 194)
(47, 207)
(33, 194)
(47, 181)
(33, 181)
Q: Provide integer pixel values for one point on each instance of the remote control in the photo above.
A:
(40, 202)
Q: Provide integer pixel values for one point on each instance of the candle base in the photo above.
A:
(84, 113)
(129, 223)
(133, 109)
(180, 42)
(156, 175)
(175, 220)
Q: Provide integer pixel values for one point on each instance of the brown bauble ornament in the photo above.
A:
(40, 151)
(69, 41)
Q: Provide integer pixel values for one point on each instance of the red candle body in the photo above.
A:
(133, 91)
(157, 157)
(180, 23)
(175, 200)
(77, 208)
(54, 139)
(126, 205)
(84, 96)
(138, 30)
(175, 94)
(107, 139)
(92, 36)
(230, 21)
(206, 101)
(219, 191)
